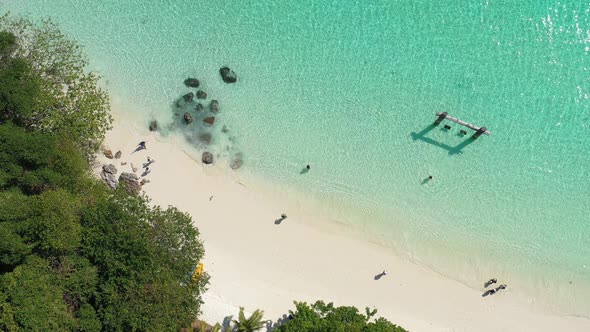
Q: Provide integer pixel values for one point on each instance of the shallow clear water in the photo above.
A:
(351, 87)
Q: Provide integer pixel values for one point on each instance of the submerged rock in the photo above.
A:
(228, 75)
(192, 82)
(118, 154)
(237, 161)
(199, 107)
(153, 125)
(188, 97)
(205, 138)
(130, 182)
(201, 94)
(108, 154)
(108, 175)
(187, 118)
(209, 120)
(207, 157)
(214, 106)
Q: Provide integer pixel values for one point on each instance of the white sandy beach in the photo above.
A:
(258, 264)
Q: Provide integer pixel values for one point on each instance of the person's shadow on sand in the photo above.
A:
(378, 276)
(488, 292)
(279, 221)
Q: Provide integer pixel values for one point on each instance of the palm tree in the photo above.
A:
(251, 324)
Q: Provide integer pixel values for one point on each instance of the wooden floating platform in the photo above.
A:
(446, 116)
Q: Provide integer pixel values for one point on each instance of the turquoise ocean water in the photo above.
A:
(351, 87)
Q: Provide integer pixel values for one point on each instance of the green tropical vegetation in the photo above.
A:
(46, 87)
(322, 317)
(249, 324)
(74, 255)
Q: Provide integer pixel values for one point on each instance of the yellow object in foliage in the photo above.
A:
(198, 271)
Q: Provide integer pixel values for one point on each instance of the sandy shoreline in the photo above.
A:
(259, 264)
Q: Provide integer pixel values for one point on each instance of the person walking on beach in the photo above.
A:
(283, 216)
(142, 145)
(147, 171)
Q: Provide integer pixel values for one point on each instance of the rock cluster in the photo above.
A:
(199, 120)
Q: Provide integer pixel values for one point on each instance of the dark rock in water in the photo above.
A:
(199, 107)
(205, 138)
(228, 75)
(108, 154)
(237, 161)
(154, 125)
(207, 157)
(118, 154)
(201, 94)
(187, 118)
(188, 97)
(108, 175)
(191, 82)
(130, 182)
(214, 106)
(209, 120)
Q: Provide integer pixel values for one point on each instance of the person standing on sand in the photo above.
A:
(283, 216)
(142, 145)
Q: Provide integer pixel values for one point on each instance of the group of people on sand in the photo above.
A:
(493, 290)
(146, 166)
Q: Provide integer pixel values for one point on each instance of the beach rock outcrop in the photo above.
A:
(228, 75)
(108, 175)
(153, 125)
(108, 154)
(188, 97)
(199, 107)
(187, 118)
(118, 154)
(130, 182)
(192, 82)
(201, 94)
(214, 106)
(209, 120)
(237, 161)
(207, 157)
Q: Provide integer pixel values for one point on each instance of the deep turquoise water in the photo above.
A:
(343, 85)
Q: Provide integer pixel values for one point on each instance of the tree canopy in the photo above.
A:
(74, 255)
(44, 84)
(322, 317)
